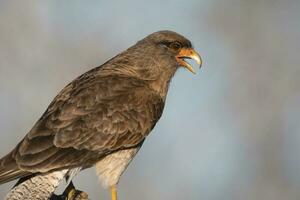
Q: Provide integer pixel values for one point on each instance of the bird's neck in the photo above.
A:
(161, 85)
(156, 70)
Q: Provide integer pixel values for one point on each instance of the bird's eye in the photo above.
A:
(175, 45)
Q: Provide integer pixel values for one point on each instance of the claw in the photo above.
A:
(70, 194)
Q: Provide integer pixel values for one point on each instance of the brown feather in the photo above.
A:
(109, 108)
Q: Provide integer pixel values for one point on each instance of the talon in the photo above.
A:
(73, 194)
(70, 193)
(80, 195)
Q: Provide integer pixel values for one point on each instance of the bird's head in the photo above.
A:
(173, 48)
(155, 58)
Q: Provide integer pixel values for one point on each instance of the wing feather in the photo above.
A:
(90, 118)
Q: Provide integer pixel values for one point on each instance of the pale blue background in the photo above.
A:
(231, 132)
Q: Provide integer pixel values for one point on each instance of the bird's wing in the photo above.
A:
(90, 118)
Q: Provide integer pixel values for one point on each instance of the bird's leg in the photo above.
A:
(70, 190)
(70, 193)
(113, 190)
(73, 194)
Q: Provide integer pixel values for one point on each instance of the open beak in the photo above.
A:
(188, 53)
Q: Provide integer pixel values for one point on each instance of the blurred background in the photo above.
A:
(231, 132)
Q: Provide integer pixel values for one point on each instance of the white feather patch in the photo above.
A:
(111, 167)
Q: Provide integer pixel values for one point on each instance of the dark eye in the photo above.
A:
(175, 45)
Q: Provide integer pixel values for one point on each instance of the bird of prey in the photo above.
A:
(99, 119)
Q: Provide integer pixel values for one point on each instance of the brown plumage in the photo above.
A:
(108, 109)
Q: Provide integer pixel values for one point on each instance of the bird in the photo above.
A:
(99, 119)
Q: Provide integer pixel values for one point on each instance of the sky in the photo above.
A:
(229, 132)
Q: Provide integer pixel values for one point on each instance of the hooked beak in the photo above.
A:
(188, 53)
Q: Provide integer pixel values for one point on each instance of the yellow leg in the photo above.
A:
(71, 193)
(113, 190)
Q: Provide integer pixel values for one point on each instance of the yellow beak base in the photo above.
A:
(188, 53)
